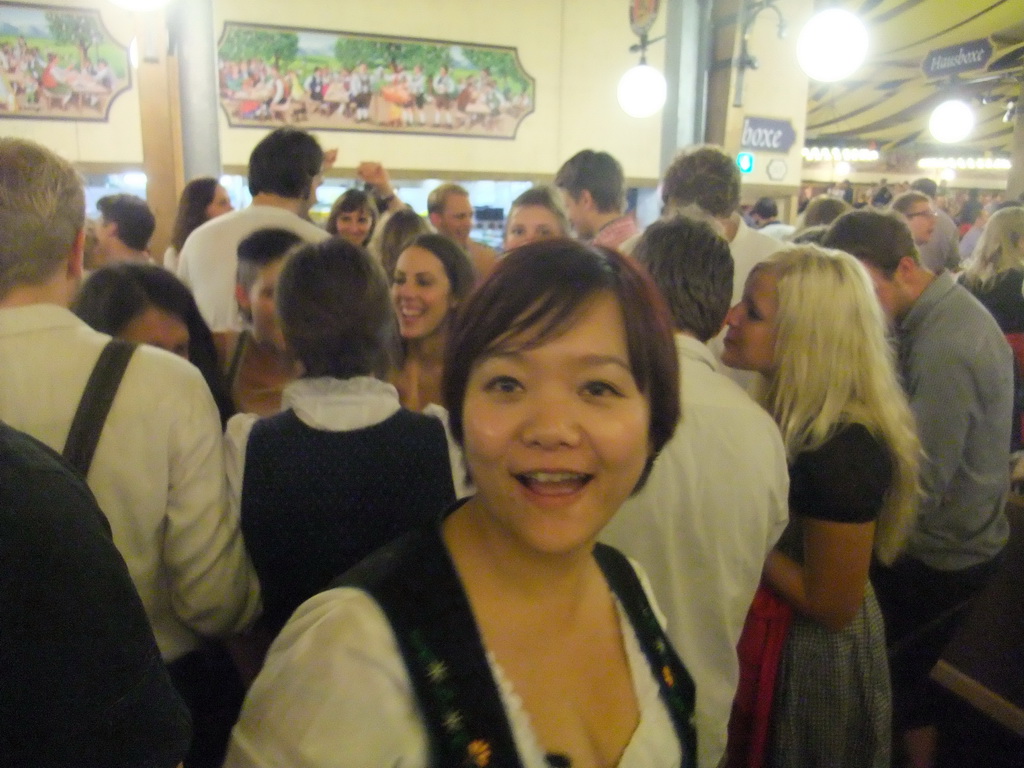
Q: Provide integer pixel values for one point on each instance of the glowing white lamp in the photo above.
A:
(140, 6)
(843, 169)
(951, 121)
(948, 174)
(133, 52)
(642, 91)
(832, 45)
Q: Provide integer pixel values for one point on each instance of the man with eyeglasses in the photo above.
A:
(940, 249)
(916, 208)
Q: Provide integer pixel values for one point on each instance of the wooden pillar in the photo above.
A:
(161, 125)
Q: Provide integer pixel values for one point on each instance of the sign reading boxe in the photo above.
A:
(767, 135)
(955, 59)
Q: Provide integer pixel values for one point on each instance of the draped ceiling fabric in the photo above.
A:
(889, 99)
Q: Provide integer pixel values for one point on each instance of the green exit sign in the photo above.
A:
(745, 160)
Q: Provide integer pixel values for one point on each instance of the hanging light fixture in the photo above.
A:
(832, 45)
(642, 89)
(952, 121)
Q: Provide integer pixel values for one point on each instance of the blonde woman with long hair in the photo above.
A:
(810, 324)
(995, 271)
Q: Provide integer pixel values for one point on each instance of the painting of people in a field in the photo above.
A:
(58, 63)
(353, 82)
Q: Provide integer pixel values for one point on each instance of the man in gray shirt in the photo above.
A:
(957, 370)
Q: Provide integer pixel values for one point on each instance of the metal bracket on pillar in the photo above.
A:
(751, 10)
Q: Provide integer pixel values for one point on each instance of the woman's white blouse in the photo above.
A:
(335, 693)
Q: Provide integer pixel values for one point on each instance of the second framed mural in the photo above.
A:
(355, 82)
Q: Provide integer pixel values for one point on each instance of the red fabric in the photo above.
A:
(759, 651)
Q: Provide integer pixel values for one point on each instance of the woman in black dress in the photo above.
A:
(809, 322)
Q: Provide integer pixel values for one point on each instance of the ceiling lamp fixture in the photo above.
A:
(642, 89)
(832, 45)
(952, 121)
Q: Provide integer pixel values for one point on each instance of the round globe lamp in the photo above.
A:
(951, 122)
(832, 45)
(642, 91)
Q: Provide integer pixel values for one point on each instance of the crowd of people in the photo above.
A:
(373, 494)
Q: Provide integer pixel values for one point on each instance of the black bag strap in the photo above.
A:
(86, 427)
(677, 688)
(415, 583)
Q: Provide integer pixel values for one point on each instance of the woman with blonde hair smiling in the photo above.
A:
(809, 322)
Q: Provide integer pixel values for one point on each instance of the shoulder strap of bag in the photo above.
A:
(677, 688)
(94, 406)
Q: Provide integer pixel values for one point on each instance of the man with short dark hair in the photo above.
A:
(257, 362)
(284, 172)
(122, 234)
(451, 214)
(593, 189)
(957, 369)
(942, 248)
(716, 501)
(765, 215)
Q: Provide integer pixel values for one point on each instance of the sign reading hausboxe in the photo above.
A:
(767, 135)
(957, 58)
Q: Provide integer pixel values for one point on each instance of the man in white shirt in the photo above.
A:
(706, 177)
(158, 470)
(717, 498)
(284, 173)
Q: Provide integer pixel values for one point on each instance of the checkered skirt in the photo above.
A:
(833, 705)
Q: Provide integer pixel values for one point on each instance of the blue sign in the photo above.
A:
(766, 134)
(745, 160)
(957, 58)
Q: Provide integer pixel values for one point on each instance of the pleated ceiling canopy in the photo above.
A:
(924, 52)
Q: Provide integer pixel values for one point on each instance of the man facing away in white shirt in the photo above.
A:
(284, 172)
(158, 469)
(717, 498)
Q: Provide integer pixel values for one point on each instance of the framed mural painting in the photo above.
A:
(58, 63)
(355, 82)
